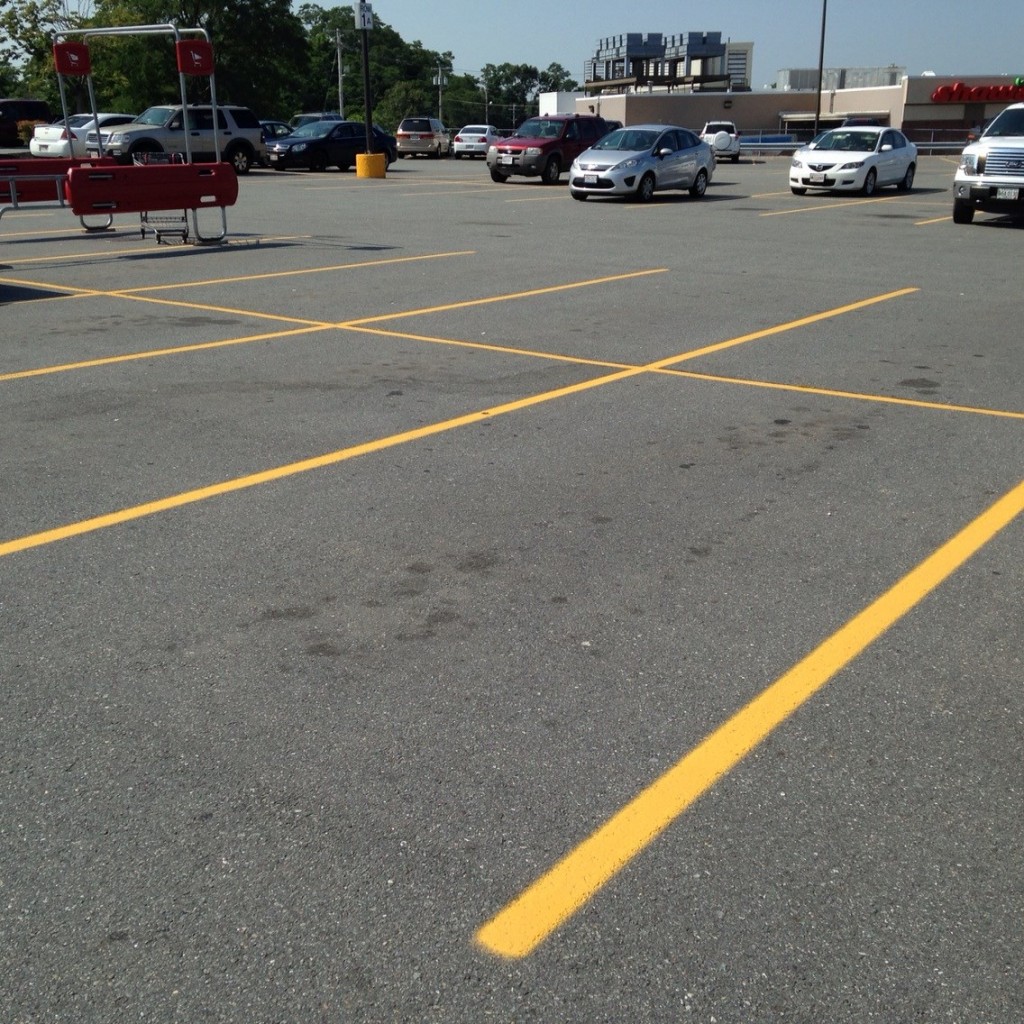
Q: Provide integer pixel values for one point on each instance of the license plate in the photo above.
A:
(506, 159)
(813, 177)
(414, 138)
(273, 156)
(1007, 193)
(589, 179)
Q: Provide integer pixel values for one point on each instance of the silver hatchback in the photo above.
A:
(642, 159)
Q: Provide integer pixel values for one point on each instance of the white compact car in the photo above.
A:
(60, 139)
(860, 159)
(474, 140)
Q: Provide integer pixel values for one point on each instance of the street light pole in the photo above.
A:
(821, 65)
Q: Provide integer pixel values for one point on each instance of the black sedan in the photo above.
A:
(322, 144)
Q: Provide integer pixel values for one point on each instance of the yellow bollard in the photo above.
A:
(371, 165)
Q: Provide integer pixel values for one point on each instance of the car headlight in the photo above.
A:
(491, 150)
(299, 147)
(116, 139)
(533, 150)
(626, 164)
(969, 163)
(852, 165)
(797, 163)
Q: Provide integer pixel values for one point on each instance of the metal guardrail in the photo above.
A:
(754, 148)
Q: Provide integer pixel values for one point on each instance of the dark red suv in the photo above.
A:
(545, 146)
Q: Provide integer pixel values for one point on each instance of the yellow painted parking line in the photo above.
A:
(156, 353)
(849, 203)
(508, 350)
(355, 265)
(332, 458)
(305, 325)
(519, 928)
(860, 396)
(933, 220)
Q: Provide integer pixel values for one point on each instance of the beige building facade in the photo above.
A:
(927, 108)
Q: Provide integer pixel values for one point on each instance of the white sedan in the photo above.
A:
(860, 159)
(60, 139)
(474, 140)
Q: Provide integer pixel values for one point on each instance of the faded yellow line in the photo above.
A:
(552, 899)
(933, 220)
(860, 396)
(501, 349)
(360, 265)
(156, 353)
(529, 294)
(767, 332)
(830, 206)
(291, 469)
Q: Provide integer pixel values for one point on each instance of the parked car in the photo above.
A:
(545, 146)
(474, 140)
(859, 159)
(724, 139)
(275, 129)
(13, 111)
(298, 120)
(423, 135)
(990, 175)
(642, 159)
(162, 130)
(60, 139)
(322, 144)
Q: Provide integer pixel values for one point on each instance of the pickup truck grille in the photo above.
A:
(1009, 161)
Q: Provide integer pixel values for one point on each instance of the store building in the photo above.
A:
(938, 109)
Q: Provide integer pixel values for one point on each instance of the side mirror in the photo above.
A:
(665, 152)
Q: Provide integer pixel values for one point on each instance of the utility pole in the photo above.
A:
(341, 73)
(440, 81)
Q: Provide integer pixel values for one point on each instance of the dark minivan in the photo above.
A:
(13, 110)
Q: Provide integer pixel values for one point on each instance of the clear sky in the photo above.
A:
(947, 37)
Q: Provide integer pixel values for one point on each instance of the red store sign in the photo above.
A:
(960, 93)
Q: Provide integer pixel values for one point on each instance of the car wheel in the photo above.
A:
(457, 155)
(870, 182)
(581, 196)
(552, 171)
(797, 191)
(498, 176)
(240, 159)
(645, 188)
(908, 180)
(736, 159)
(317, 162)
(963, 213)
(700, 184)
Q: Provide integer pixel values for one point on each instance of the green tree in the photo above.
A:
(556, 79)
(511, 91)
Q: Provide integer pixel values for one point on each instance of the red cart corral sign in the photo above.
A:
(195, 56)
(72, 59)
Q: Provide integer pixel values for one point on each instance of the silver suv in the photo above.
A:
(990, 176)
(162, 130)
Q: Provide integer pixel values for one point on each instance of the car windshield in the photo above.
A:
(1009, 122)
(848, 142)
(314, 129)
(628, 140)
(155, 115)
(539, 128)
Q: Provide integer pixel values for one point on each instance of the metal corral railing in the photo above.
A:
(928, 141)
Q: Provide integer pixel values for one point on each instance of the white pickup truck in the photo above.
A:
(990, 176)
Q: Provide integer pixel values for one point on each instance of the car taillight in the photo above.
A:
(458, 138)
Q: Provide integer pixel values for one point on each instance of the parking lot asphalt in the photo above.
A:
(446, 601)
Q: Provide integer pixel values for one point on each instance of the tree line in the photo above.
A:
(268, 57)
